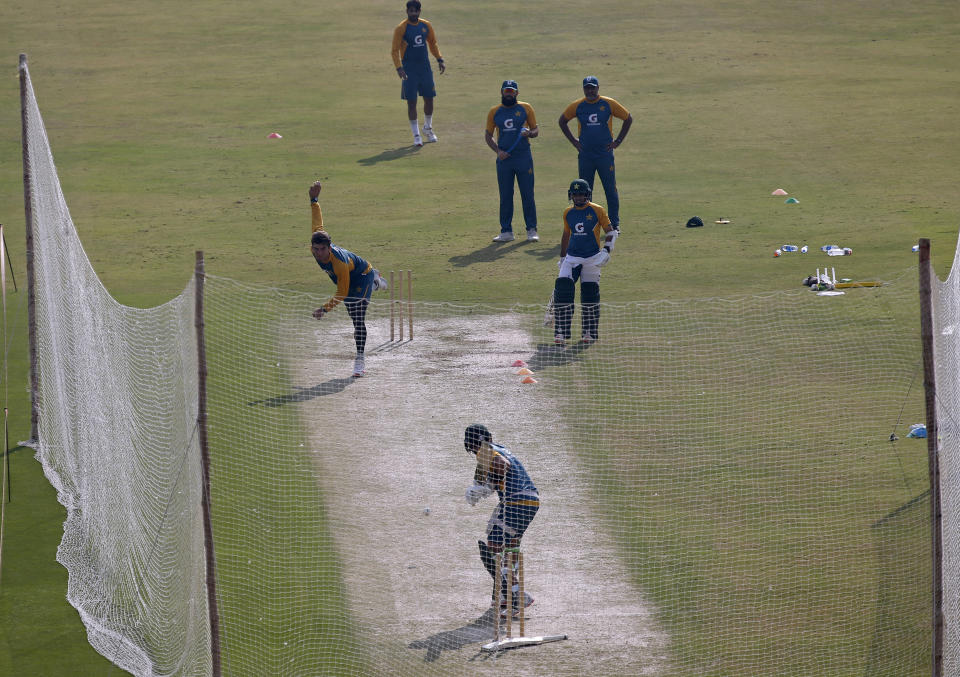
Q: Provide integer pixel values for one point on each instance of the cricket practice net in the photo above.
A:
(116, 397)
(726, 484)
(946, 351)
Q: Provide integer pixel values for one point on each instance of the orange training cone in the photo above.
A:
(528, 379)
(518, 363)
(274, 135)
(524, 372)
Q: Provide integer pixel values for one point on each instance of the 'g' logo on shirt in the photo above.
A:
(592, 118)
(418, 41)
(579, 227)
(508, 123)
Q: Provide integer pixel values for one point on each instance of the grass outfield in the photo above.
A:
(158, 118)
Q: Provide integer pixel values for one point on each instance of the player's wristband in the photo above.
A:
(439, 60)
(314, 200)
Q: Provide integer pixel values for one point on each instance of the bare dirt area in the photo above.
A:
(389, 446)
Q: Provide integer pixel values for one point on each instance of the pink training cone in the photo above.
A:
(274, 135)
(518, 363)
(524, 372)
(779, 191)
(528, 379)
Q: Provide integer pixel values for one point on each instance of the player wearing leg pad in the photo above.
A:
(564, 294)
(590, 310)
(487, 556)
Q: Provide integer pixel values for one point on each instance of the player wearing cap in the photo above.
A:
(500, 471)
(595, 141)
(355, 278)
(411, 39)
(515, 124)
(587, 242)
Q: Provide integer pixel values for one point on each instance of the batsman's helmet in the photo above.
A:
(474, 436)
(695, 222)
(579, 187)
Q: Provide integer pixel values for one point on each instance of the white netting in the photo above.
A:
(946, 339)
(117, 401)
(720, 494)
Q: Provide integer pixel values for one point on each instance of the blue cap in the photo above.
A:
(510, 84)
(591, 81)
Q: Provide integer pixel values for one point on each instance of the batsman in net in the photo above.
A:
(585, 247)
(355, 278)
(500, 471)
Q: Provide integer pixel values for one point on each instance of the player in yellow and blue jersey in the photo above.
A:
(585, 247)
(411, 40)
(595, 141)
(355, 278)
(515, 124)
(500, 471)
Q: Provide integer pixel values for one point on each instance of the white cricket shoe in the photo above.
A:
(378, 282)
(506, 236)
(532, 235)
(588, 338)
(428, 135)
(559, 340)
(417, 141)
(358, 368)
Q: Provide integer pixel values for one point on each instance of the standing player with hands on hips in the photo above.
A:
(515, 124)
(500, 471)
(355, 278)
(411, 39)
(587, 241)
(595, 142)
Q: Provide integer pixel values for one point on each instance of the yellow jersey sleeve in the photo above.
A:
(491, 125)
(617, 110)
(531, 116)
(570, 111)
(432, 40)
(316, 217)
(398, 47)
(342, 270)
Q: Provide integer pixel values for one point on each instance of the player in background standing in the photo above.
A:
(587, 241)
(355, 278)
(515, 124)
(499, 470)
(411, 39)
(595, 141)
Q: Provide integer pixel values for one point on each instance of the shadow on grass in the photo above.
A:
(330, 387)
(491, 252)
(475, 632)
(388, 155)
(902, 642)
(542, 254)
(549, 355)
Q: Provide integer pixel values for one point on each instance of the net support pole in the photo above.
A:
(31, 278)
(199, 277)
(933, 458)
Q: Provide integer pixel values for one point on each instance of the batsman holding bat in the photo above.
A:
(586, 245)
(500, 471)
(515, 124)
(355, 278)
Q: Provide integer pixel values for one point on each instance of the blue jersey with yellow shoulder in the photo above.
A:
(514, 485)
(595, 120)
(411, 42)
(587, 226)
(508, 121)
(345, 270)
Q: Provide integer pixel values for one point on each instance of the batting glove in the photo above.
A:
(602, 258)
(319, 312)
(477, 491)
